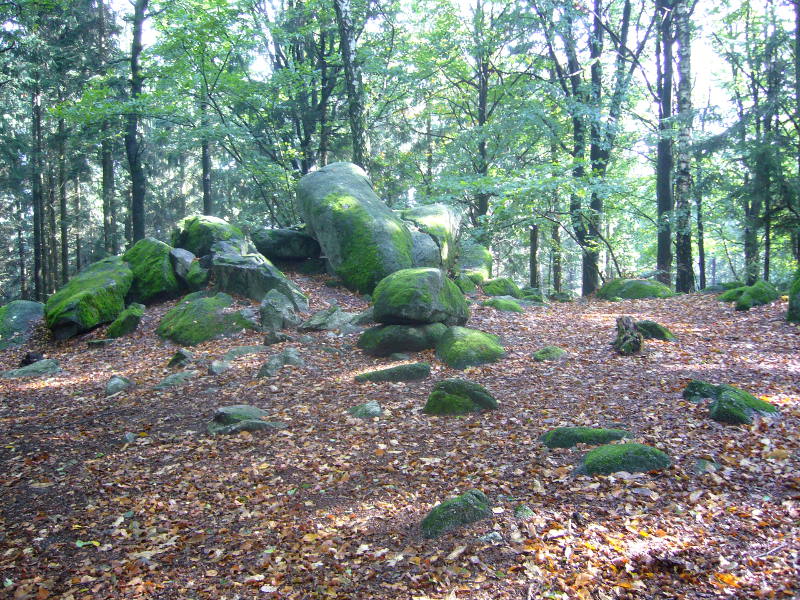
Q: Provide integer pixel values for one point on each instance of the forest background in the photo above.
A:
(583, 140)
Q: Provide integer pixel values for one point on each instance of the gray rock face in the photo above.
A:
(425, 252)
(440, 224)
(238, 418)
(368, 410)
(48, 366)
(18, 319)
(386, 340)
(415, 296)
(116, 384)
(278, 312)
(275, 363)
(329, 319)
(181, 260)
(363, 240)
(239, 269)
(285, 244)
(176, 379)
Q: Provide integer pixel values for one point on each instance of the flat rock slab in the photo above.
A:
(48, 366)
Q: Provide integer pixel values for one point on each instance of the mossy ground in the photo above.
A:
(633, 458)
(567, 437)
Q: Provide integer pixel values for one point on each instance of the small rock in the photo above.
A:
(180, 358)
(412, 372)
(491, 538)
(367, 410)
(175, 379)
(276, 337)
(218, 367)
(280, 360)
(129, 438)
(116, 384)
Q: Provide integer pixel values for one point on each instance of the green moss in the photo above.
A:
(199, 318)
(464, 283)
(567, 437)
(502, 286)
(746, 398)
(388, 339)
(368, 410)
(651, 330)
(697, 389)
(458, 397)
(95, 295)
(411, 372)
(633, 458)
(758, 294)
(549, 353)
(467, 508)
(153, 275)
(732, 295)
(561, 297)
(439, 222)
(461, 347)
(127, 321)
(793, 313)
(197, 277)
(533, 295)
(732, 285)
(634, 289)
(17, 321)
(197, 233)
(421, 295)
(503, 304)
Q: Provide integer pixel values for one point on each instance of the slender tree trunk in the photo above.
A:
(62, 201)
(555, 238)
(208, 201)
(52, 277)
(77, 212)
(21, 250)
(701, 246)
(664, 157)
(36, 191)
(356, 101)
(133, 148)
(110, 242)
(684, 280)
(534, 256)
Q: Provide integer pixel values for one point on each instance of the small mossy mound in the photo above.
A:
(549, 353)
(116, 384)
(410, 372)
(127, 321)
(697, 389)
(197, 233)
(793, 313)
(633, 458)
(461, 347)
(412, 296)
(94, 296)
(458, 397)
(18, 319)
(385, 340)
(474, 261)
(730, 404)
(567, 437)
(368, 410)
(634, 289)
(47, 366)
(504, 304)
(451, 514)
(153, 274)
(651, 330)
(748, 296)
(199, 318)
(501, 286)
(240, 417)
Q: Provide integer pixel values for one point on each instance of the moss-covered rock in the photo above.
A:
(634, 289)
(532, 294)
(278, 312)
(409, 372)
(363, 240)
(735, 406)
(458, 397)
(651, 330)
(116, 384)
(629, 340)
(240, 351)
(441, 224)
(465, 284)
(418, 296)
(793, 313)
(451, 514)
(153, 274)
(197, 277)
(563, 296)
(385, 340)
(47, 366)
(633, 458)
(94, 296)
(127, 321)
(504, 304)
(567, 437)
(181, 358)
(549, 353)
(697, 389)
(746, 297)
(368, 410)
(285, 244)
(176, 379)
(18, 319)
(461, 347)
(332, 318)
(198, 318)
(474, 260)
(197, 233)
(287, 357)
(501, 286)
(240, 417)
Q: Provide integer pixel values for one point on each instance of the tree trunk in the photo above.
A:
(664, 157)
(356, 102)
(36, 191)
(21, 250)
(684, 279)
(556, 257)
(534, 256)
(133, 148)
(77, 212)
(701, 245)
(110, 241)
(62, 201)
(52, 255)
(208, 202)
(629, 340)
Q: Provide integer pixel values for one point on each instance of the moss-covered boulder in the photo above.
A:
(368, 410)
(18, 319)
(697, 389)
(549, 353)
(238, 269)
(197, 233)
(793, 313)
(464, 283)
(634, 289)
(153, 274)
(94, 296)
(240, 351)
(501, 286)
(176, 379)
(451, 514)
(418, 296)
(385, 340)
(363, 240)
(424, 251)
(440, 223)
(278, 312)
(285, 244)
(567, 437)
(504, 304)
(729, 404)
(200, 317)
(633, 458)
(117, 384)
(474, 260)
(276, 362)
(127, 321)
(238, 418)
(409, 372)
(458, 397)
(651, 330)
(563, 296)
(532, 294)
(748, 296)
(47, 366)
(461, 347)
(332, 318)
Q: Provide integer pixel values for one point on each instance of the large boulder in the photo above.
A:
(18, 319)
(153, 275)
(461, 347)
(239, 269)
(474, 260)
(411, 296)
(390, 339)
(424, 251)
(793, 314)
(363, 240)
(285, 244)
(439, 223)
(748, 296)
(127, 321)
(199, 317)
(501, 286)
(634, 289)
(94, 296)
(197, 233)
(278, 312)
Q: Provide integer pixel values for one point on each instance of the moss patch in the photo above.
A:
(461, 347)
(458, 397)
(197, 233)
(385, 340)
(504, 305)
(127, 321)
(697, 389)
(634, 289)
(411, 372)
(549, 353)
(567, 437)
(474, 260)
(153, 275)
(502, 286)
(651, 330)
(421, 295)
(793, 314)
(467, 508)
(633, 458)
(199, 318)
(17, 322)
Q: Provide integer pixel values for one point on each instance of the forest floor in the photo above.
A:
(330, 506)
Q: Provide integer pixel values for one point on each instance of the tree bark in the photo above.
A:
(684, 278)
(629, 340)
(62, 201)
(534, 256)
(205, 159)
(110, 241)
(664, 157)
(21, 250)
(701, 245)
(77, 212)
(133, 148)
(556, 257)
(36, 191)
